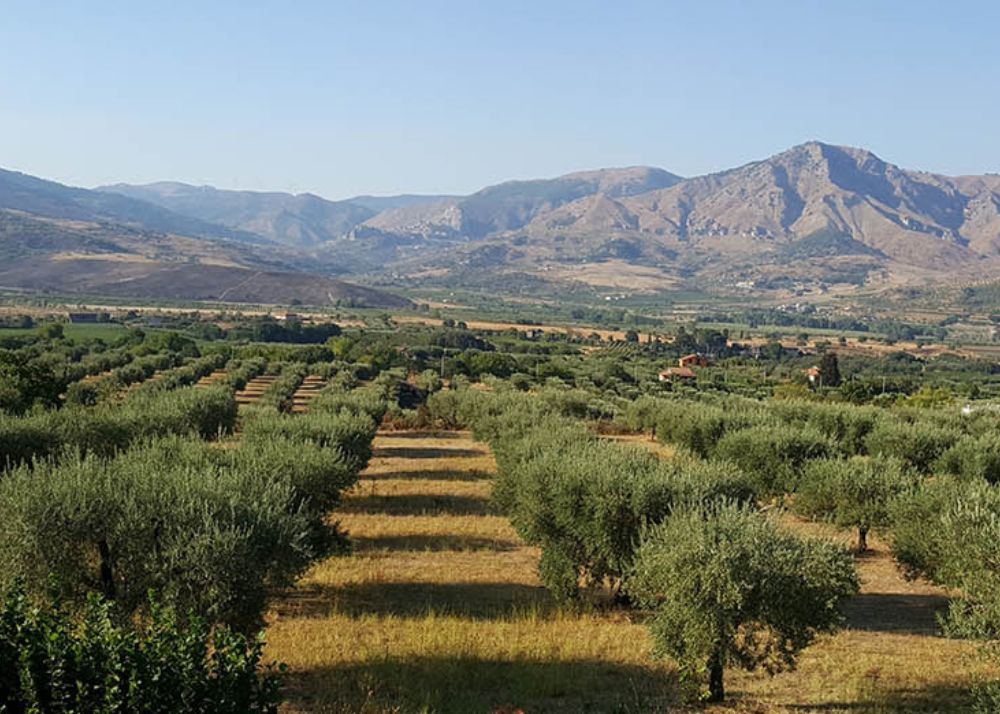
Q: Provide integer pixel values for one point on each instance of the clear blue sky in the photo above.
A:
(341, 98)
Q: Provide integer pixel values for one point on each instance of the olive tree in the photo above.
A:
(729, 587)
(773, 456)
(973, 457)
(853, 493)
(919, 444)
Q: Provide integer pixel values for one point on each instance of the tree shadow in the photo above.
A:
(436, 475)
(417, 452)
(896, 613)
(473, 601)
(433, 542)
(925, 700)
(423, 434)
(467, 685)
(418, 504)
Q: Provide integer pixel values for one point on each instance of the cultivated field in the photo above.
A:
(440, 609)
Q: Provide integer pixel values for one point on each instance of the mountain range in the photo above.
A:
(813, 218)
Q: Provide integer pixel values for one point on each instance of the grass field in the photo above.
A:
(104, 331)
(439, 609)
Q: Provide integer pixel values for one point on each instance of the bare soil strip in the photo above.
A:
(309, 389)
(254, 389)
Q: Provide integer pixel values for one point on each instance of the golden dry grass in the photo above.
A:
(439, 609)
(643, 441)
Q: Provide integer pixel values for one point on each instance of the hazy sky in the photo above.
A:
(342, 98)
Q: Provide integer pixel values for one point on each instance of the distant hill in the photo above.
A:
(512, 205)
(297, 220)
(813, 218)
(22, 192)
(58, 239)
(814, 214)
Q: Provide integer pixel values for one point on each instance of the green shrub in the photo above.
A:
(210, 530)
(106, 429)
(847, 426)
(350, 434)
(918, 541)
(281, 392)
(57, 661)
(584, 501)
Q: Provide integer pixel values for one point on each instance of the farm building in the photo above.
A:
(84, 318)
(675, 373)
(693, 360)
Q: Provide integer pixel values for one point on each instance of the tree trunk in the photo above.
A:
(107, 572)
(716, 689)
(862, 539)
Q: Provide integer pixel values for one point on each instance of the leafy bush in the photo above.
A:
(729, 586)
(280, 393)
(584, 501)
(239, 373)
(57, 661)
(698, 426)
(106, 429)
(350, 434)
(847, 426)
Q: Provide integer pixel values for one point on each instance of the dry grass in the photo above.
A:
(643, 441)
(439, 609)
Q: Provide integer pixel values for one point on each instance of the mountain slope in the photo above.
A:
(56, 238)
(301, 220)
(22, 192)
(61, 256)
(815, 213)
(511, 205)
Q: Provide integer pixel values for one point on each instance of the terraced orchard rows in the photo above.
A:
(440, 520)
(440, 608)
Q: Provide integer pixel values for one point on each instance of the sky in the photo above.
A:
(426, 96)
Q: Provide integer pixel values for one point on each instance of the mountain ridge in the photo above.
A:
(813, 215)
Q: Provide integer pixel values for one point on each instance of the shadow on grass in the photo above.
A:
(441, 542)
(418, 504)
(423, 434)
(435, 475)
(474, 601)
(469, 685)
(942, 699)
(406, 452)
(895, 613)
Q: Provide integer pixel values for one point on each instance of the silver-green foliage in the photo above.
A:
(107, 429)
(853, 493)
(211, 530)
(729, 587)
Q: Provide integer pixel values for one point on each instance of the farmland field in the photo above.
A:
(425, 515)
(440, 609)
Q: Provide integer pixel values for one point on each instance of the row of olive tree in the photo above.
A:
(107, 429)
(212, 530)
(682, 537)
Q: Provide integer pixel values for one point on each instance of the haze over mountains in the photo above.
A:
(808, 218)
